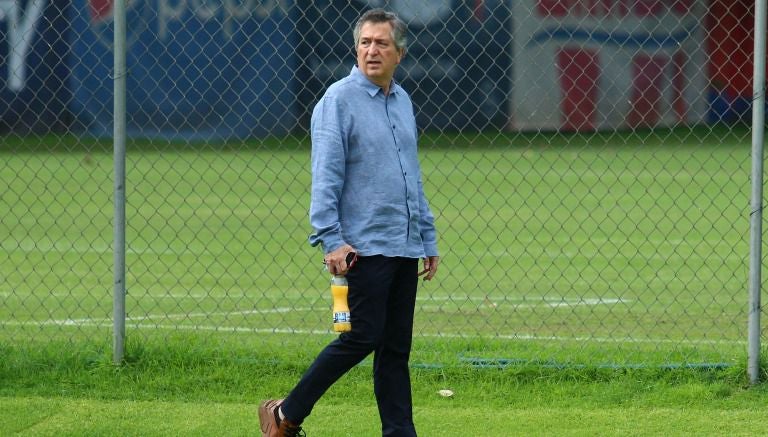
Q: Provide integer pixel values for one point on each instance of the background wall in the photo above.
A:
(238, 70)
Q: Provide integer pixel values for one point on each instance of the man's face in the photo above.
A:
(377, 56)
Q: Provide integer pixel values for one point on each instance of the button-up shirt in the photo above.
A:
(367, 189)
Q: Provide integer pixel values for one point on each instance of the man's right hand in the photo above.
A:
(336, 262)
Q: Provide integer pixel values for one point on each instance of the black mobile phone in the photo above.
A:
(351, 259)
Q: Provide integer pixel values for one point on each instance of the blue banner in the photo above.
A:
(197, 69)
(33, 94)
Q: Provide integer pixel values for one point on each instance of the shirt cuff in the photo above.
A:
(331, 243)
(430, 249)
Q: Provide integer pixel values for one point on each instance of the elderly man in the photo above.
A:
(367, 198)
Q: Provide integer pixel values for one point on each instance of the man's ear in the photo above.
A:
(401, 55)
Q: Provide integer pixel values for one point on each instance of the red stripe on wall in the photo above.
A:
(579, 76)
(678, 85)
(478, 11)
(647, 75)
(100, 9)
(730, 28)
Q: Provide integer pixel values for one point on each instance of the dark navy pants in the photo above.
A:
(382, 297)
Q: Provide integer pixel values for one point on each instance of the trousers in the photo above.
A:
(382, 298)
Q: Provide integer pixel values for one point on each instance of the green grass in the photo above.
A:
(594, 248)
(589, 285)
(166, 389)
(36, 416)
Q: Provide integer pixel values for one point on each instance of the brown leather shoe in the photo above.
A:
(269, 418)
(271, 425)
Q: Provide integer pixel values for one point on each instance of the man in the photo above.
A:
(367, 198)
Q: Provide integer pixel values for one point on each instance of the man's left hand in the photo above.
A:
(430, 267)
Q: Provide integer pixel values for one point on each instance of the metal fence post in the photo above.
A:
(119, 163)
(756, 213)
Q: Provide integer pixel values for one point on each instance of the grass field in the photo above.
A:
(165, 389)
(617, 255)
(680, 415)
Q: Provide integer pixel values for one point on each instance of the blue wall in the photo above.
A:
(193, 73)
(40, 98)
(222, 74)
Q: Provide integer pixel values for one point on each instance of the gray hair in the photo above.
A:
(381, 16)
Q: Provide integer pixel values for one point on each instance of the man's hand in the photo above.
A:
(430, 267)
(336, 262)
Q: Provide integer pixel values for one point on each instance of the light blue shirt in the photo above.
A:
(367, 189)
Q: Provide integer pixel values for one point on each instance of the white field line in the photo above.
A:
(181, 316)
(554, 303)
(133, 322)
(516, 302)
(528, 337)
(99, 322)
(531, 303)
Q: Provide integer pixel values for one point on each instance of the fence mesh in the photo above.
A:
(586, 161)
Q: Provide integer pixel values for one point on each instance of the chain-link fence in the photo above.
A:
(587, 163)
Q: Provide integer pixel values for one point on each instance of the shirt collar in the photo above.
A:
(371, 88)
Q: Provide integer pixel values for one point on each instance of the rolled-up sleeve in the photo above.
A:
(328, 158)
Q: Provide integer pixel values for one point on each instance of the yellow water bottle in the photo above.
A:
(341, 316)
